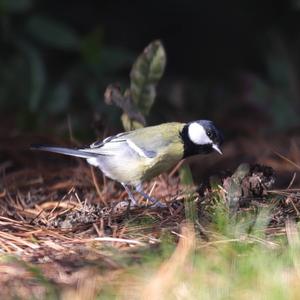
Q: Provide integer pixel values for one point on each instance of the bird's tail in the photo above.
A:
(66, 151)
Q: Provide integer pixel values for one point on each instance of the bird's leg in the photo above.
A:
(155, 202)
(131, 197)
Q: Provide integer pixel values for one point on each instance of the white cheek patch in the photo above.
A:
(198, 135)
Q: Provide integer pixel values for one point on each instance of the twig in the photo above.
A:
(286, 159)
(292, 181)
(97, 229)
(114, 240)
(97, 187)
(175, 169)
(152, 188)
(41, 211)
(58, 203)
(3, 194)
(19, 240)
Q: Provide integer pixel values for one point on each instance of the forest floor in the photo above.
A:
(68, 233)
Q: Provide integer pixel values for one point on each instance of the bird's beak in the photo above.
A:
(215, 147)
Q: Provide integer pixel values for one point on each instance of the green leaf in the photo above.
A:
(59, 99)
(186, 178)
(15, 6)
(131, 118)
(190, 208)
(52, 33)
(145, 74)
(262, 221)
(241, 172)
(37, 74)
(185, 175)
(91, 46)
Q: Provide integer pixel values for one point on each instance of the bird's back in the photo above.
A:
(140, 154)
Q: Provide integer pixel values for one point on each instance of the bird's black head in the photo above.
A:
(201, 137)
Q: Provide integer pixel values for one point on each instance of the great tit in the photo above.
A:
(135, 156)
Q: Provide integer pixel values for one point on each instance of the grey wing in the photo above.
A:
(114, 138)
(120, 159)
(118, 145)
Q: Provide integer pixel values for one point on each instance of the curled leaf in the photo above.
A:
(131, 118)
(145, 74)
(130, 124)
(138, 100)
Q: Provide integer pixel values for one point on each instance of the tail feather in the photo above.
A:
(65, 151)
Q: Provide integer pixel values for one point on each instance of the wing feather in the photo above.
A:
(114, 145)
(145, 142)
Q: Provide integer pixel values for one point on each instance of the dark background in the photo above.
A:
(236, 62)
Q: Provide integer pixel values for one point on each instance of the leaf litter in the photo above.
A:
(57, 234)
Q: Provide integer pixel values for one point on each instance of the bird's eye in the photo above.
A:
(209, 134)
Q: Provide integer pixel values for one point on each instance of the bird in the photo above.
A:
(133, 157)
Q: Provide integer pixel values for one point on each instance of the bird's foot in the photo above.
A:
(154, 202)
(133, 203)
